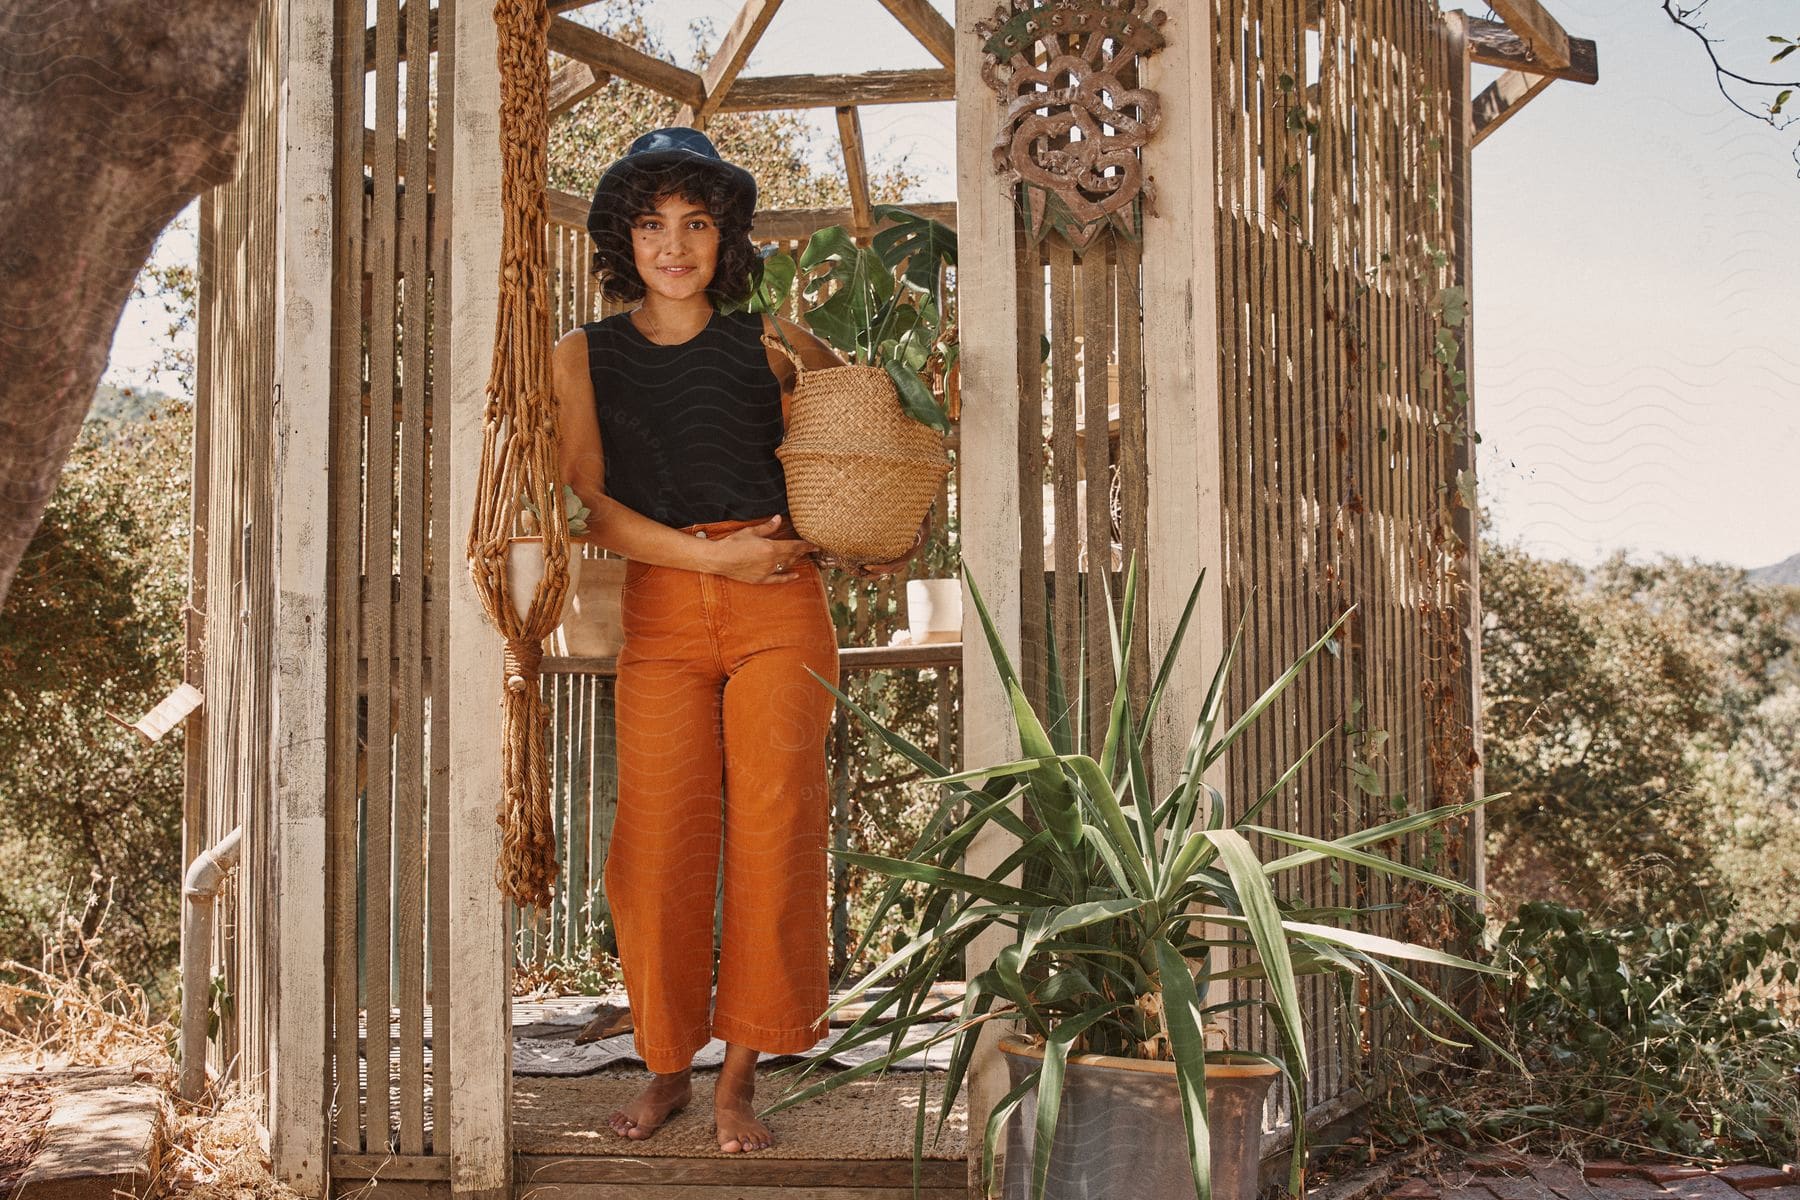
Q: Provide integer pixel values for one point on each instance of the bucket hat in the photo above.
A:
(662, 149)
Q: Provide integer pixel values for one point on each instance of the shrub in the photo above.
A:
(1674, 1038)
(92, 625)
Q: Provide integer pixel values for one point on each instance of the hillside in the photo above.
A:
(1786, 571)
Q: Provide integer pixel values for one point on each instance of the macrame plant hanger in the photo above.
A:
(519, 455)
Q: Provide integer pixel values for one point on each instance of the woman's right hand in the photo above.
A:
(756, 555)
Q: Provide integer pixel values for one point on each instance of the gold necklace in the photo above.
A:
(656, 334)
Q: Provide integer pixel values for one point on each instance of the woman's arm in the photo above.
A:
(750, 555)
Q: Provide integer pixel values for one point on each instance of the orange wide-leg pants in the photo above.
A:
(721, 751)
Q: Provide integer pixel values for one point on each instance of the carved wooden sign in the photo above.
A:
(1066, 72)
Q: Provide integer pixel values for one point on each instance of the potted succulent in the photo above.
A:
(1115, 897)
(525, 552)
(864, 451)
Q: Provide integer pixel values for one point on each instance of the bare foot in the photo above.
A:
(734, 1110)
(665, 1096)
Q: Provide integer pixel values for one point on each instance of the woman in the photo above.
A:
(671, 414)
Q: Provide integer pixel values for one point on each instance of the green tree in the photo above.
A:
(1605, 693)
(92, 626)
(774, 146)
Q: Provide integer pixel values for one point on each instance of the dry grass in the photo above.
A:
(74, 1009)
(218, 1154)
(85, 1018)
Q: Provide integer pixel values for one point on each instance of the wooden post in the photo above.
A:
(479, 1016)
(1181, 379)
(987, 301)
(1475, 833)
(1184, 518)
(193, 669)
(302, 446)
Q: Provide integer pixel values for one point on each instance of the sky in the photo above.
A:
(1637, 363)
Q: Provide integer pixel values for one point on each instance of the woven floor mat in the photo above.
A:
(867, 1119)
(546, 1049)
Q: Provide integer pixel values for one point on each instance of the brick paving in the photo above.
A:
(1506, 1176)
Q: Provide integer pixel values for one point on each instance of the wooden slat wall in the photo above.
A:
(391, 553)
(344, 572)
(1332, 471)
(583, 802)
(1331, 465)
(235, 378)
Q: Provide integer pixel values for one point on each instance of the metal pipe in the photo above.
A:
(198, 893)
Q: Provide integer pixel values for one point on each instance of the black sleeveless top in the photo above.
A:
(689, 431)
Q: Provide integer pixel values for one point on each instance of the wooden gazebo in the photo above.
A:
(1286, 351)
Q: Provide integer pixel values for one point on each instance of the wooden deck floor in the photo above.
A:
(854, 1144)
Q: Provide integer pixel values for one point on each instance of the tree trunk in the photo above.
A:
(114, 114)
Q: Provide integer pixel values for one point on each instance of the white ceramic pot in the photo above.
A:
(934, 610)
(525, 570)
(592, 624)
(1121, 1131)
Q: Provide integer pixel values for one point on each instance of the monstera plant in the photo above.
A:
(1123, 905)
(881, 305)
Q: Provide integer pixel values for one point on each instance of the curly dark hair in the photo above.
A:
(738, 263)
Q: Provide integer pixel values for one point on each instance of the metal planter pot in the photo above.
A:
(1120, 1131)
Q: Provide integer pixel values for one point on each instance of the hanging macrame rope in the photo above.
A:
(518, 454)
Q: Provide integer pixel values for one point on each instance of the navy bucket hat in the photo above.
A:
(661, 149)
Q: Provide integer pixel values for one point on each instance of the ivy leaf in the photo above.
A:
(1366, 778)
(1454, 304)
(1447, 346)
(1465, 487)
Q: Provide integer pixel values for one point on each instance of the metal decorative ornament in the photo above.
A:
(1074, 120)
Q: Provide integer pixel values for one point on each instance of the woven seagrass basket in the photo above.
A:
(861, 474)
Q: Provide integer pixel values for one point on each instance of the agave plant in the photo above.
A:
(1115, 896)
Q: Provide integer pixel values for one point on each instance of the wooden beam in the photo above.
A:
(573, 82)
(563, 6)
(475, 1019)
(1463, 517)
(1494, 45)
(763, 92)
(856, 166)
(925, 23)
(567, 208)
(745, 32)
(1183, 406)
(169, 712)
(614, 57)
(1543, 33)
(988, 307)
(299, 724)
(1503, 98)
(771, 224)
(798, 224)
